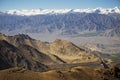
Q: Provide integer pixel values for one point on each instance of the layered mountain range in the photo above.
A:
(23, 51)
(62, 22)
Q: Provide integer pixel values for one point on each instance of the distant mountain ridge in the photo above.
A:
(63, 11)
(61, 24)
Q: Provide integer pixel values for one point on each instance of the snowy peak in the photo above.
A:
(63, 11)
(38, 11)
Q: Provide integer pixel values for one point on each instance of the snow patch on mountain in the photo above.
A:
(63, 11)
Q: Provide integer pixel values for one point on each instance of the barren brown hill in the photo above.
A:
(70, 53)
(38, 56)
(77, 73)
(21, 39)
(60, 51)
(11, 56)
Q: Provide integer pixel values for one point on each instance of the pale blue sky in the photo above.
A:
(56, 4)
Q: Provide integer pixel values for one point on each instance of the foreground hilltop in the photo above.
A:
(23, 51)
(76, 73)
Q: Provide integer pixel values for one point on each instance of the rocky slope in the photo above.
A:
(77, 73)
(23, 51)
(113, 32)
(70, 53)
(27, 57)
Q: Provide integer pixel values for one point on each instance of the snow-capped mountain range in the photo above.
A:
(83, 22)
(62, 11)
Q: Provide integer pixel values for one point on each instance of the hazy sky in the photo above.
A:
(56, 4)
